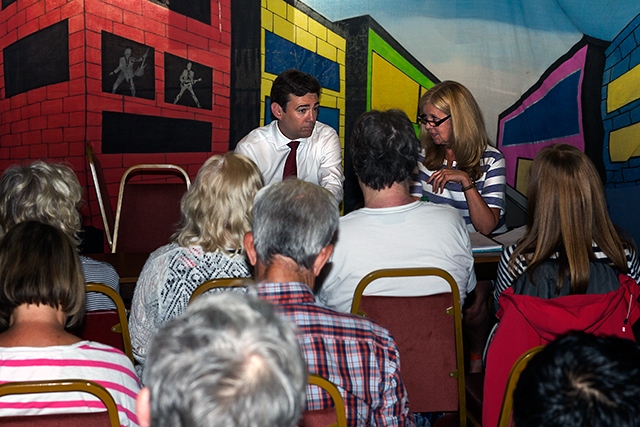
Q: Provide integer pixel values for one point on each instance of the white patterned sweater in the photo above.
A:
(165, 285)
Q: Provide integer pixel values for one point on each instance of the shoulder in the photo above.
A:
(257, 135)
(324, 132)
(98, 271)
(492, 155)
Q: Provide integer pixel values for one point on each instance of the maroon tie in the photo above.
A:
(290, 167)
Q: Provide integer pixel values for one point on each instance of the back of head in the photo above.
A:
(293, 82)
(580, 380)
(39, 265)
(294, 219)
(384, 148)
(44, 192)
(567, 211)
(216, 211)
(229, 360)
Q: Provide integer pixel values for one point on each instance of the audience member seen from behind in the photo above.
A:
(580, 380)
(294, 224)
(216, 213)
(228, 361)
(50, 193)
(458, 166)
(570, 239)
(42, 292)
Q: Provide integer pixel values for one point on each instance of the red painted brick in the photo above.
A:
(145, 24)
(72, 8)
(112, 175)
(53, 4)
(94, 118)
(52, 135)
(107, 103)
(10, 140)
(225, 38)
(135, 159)
(76, 149)
(30, 111)
(95, 71)
(104, 10)
(155, 11)
(31, 138)
(202, 29)
(134, 6)
(16, 21)
(78, 119)
(58, 120)
(71, 134)
(186, 158)
(11, 116)
(5, 129)
(93, 55)
(20, 126)
(38, 123)
(50, 18)
(160, 44)
(188, 38)
(96, 23)
(76, 40)
(128, 32)
(5, 153)
(10, 37)
(177, 20)
(21, 152)
(34, 11)
(51, 107)
(94, 39)
(59, 150)
(58, 90)
(18, 100)
(77, 165)
(76, 71)
(77, 23)
(94, 133)
(73, 103)
(39, 151)
(36, 95)
(111, 162)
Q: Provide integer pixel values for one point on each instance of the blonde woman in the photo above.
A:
(216, 214)
(458, 166)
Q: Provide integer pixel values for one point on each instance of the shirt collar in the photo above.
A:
(284, 293)
(281, 141)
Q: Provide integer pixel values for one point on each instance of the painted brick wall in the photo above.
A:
(55, 121)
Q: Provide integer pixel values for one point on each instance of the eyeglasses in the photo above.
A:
(433, 122)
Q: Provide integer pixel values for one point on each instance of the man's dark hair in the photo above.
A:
(295, 82)
(384, 148)
(580, 380)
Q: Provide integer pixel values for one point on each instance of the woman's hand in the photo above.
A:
(439, 178)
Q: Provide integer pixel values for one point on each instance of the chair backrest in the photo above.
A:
(108, 326)
(100, 185)
(514, 376)
(148, 214)
(227, 282)
(335, 416)
(428, 333)
(108, 418)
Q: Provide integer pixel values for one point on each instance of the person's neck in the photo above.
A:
(395, 195)
(281, 270)
(34, 325)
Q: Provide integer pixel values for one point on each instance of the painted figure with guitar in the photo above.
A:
(186, 83)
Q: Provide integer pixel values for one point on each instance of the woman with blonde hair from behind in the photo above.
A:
(216, 214)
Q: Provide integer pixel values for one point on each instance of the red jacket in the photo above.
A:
(527, 322)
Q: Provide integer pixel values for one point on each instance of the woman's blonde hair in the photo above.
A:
(567, 212)
(468, 133)
(46, 192)
(216, 211)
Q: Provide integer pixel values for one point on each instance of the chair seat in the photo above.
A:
(94, 419)
(318, 418)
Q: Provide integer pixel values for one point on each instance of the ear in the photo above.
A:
(250, 248)
(276, 110)
(143, 408)
(322, 259)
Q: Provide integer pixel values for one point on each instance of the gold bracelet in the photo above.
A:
(469, 187)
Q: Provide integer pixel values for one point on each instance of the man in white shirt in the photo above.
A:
(315, 156)
(393, 230)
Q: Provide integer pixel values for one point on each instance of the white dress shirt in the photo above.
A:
(319, 157)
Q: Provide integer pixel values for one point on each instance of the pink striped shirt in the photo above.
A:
(84, 360)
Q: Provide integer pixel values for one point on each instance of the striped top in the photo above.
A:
(99, 272)
(84, 360)
(491, 185)
(505, 279)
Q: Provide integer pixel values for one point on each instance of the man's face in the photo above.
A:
(300, 116)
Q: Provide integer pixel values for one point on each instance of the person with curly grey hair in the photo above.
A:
(228, 361)
(51, 193)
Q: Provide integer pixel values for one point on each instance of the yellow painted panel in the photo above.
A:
(317, 29)
(522, 175)
(328, 100)
(341, 104)
(341, 56)
(336, 40)
(267, 20)
(263, 3)
(284, 28)
(297, 17)
(625, 143)
(278, 7)
(391, 88)
(327, 50)
(306, 39)
(624, 90)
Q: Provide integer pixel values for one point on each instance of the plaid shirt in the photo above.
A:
(356, 354)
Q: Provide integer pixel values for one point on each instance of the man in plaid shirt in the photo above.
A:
(294, 223)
